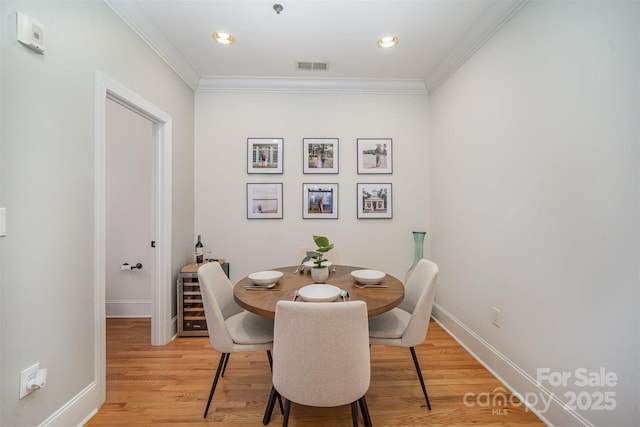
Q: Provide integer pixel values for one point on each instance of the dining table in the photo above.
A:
(379, 298)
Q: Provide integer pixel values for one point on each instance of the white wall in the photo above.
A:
(47, 186)
(535, 203)
(224, 121)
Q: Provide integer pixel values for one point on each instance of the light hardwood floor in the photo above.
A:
(169, 386)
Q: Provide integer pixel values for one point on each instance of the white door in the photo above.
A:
(129, 212)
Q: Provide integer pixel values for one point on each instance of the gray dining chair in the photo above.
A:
(321, 357)
(231, 328)
(407, 324)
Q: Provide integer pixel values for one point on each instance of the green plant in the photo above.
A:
(323, 246)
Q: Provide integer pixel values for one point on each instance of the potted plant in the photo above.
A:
(319, 272)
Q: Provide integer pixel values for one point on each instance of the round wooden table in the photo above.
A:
(263, 303)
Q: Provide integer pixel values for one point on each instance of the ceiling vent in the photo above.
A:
(312, 66)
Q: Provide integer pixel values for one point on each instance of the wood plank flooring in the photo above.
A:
(169, 386)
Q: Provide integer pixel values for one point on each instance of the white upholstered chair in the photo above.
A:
(321, 356)
(407, 324)
(231, 328)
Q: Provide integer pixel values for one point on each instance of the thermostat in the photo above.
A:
(30, 32)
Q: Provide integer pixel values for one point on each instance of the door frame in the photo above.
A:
(161, 321)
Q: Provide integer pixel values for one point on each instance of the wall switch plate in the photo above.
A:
(495, 317)
(3, 222)
(26, 376)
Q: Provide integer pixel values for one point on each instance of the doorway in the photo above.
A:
(129, 217)
(161, 322)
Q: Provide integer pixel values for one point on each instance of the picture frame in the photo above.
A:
(320, 201)
(375, 156)
(375, 200)
(320, 155)
(265, 155)
(264, 200)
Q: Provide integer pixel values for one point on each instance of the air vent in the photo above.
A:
(312, 66)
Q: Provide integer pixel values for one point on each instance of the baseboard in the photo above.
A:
(538, 400)
(76, 412)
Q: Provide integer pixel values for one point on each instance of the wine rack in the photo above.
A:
(191, 318)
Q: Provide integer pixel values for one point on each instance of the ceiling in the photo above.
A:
(435, 37)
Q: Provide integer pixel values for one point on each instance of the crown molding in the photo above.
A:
(308, 85)
(495, 18)
(135, 18)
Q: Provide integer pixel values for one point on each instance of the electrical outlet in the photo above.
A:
(25, 376)
(495, 317)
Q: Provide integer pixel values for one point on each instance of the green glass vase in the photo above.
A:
(418, 251)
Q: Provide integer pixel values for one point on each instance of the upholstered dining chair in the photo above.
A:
(231, 328)
(407, 324)
(321, 356)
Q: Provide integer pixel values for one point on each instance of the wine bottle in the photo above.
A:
(199, 251)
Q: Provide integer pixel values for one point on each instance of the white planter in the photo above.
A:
(319, 275)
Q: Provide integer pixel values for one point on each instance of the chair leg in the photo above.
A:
(354, 413)
(365, 411)
(226, 360)
(287, 409)
(270, 404)
(271, 368)
(221, 363)
(424, 389)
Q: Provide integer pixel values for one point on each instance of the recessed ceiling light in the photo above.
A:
(388, 41)
(223, 38)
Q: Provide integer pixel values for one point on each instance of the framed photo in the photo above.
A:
(375, 155)
(264, 155)
(374, 201)
(264, 201)
(320, 155)
(320, 201)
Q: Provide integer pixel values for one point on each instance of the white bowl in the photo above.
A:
(310, 264)
(319, 292)
(263, 278)
(368, 277)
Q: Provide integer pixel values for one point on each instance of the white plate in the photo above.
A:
(310, 264)
(368, 277)
(319, 292)
(265, 278)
